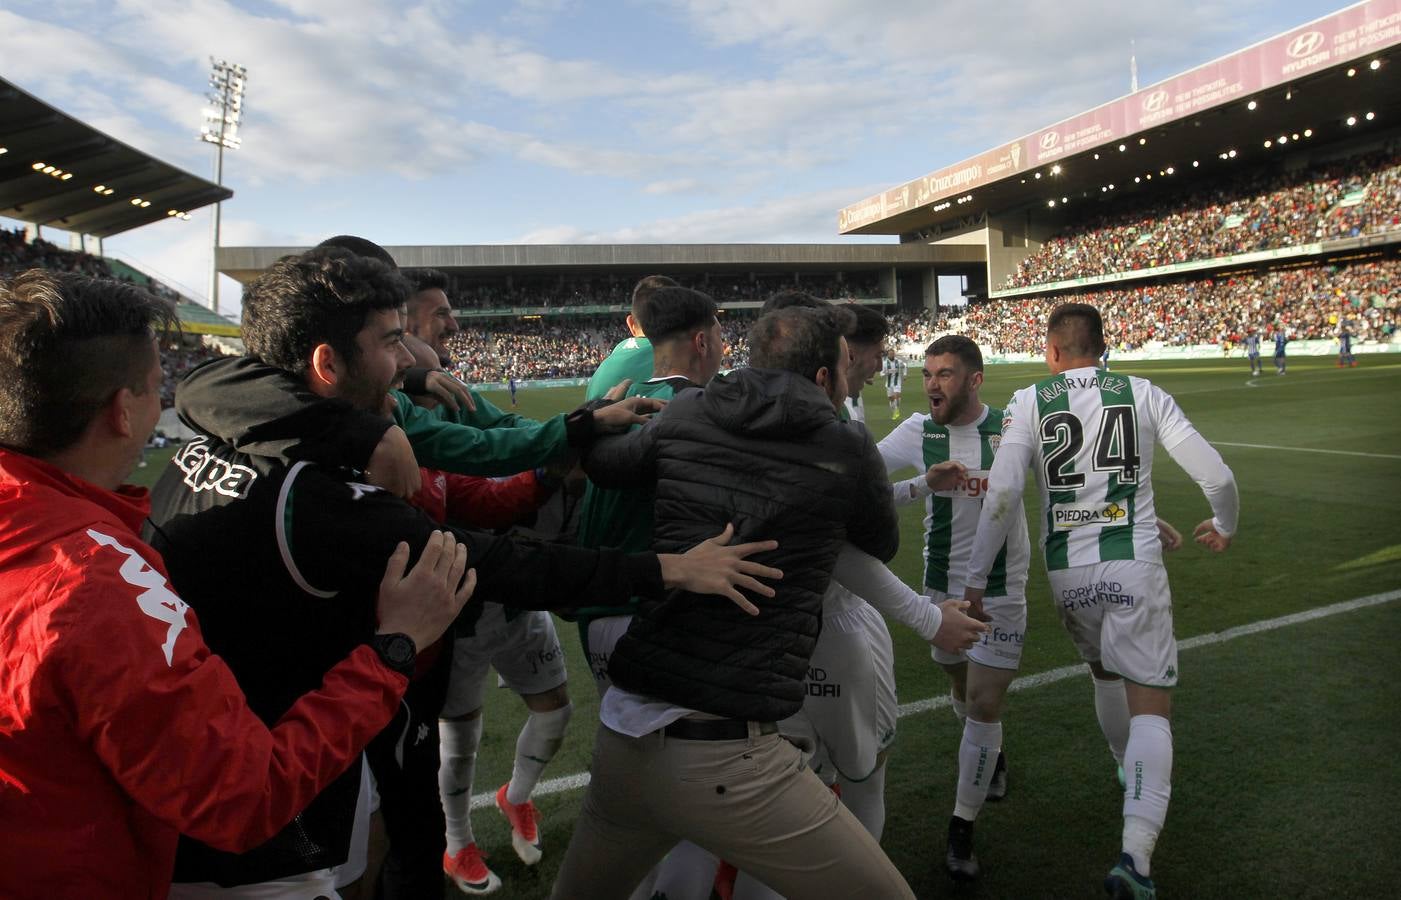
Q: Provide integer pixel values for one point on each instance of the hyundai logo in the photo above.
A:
(1305, 44)
(1050, 139)
(1155, 101)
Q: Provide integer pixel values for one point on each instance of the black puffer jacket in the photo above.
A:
(763, 449)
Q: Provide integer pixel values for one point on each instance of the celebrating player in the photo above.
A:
(953, 448)
(1090, 436)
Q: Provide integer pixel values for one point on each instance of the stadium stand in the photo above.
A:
(1309, 302)
(465, 293)
(181, 354)
(1265, 210)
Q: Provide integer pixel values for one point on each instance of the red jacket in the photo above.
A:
(118, 728)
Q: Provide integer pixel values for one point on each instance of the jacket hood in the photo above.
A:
(767, 403)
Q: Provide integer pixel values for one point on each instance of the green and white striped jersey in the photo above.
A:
(1091, 436)
(951, 517)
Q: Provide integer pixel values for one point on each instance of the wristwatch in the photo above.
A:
(397, 651)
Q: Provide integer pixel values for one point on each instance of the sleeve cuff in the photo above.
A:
(578, 427)
(1222, 529)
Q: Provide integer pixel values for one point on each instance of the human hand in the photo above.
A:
(716, 567)
(958, 631)
(946, 475)
(1213, 540)
(1168, 536)
(974, 598)
(619, 390)
(423, 602)
(450, 391)
(620, 416)
(392, 466)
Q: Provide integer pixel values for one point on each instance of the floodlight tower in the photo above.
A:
(221, 120)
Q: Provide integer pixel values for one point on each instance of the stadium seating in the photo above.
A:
(1260, 211)
(1307, 301)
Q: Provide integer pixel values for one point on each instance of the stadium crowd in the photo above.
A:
(563, 292)
(1310, 302)
(494, 351)
(1343, 198)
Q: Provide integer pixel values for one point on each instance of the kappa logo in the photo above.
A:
(358, 490)
(1305, 44)
(1049, 140)
(156, 599)
(207, 472)
(1155, 102)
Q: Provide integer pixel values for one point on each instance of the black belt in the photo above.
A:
(714, 729)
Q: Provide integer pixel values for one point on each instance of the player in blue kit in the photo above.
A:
(1280, 341)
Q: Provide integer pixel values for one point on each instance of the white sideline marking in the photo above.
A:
(1307, 450)
(1050, 676)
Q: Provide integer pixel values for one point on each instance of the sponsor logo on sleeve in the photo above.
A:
(156, 599)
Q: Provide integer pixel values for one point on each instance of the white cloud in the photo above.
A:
(800, 218)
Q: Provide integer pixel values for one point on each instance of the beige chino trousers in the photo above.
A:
(751, 802)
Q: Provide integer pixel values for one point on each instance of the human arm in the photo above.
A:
(626, 460)
(481, 502)
(486, 442)
(1002, 504)
(1204, 465)
(170, 723)
(337, 527)
(869, 578)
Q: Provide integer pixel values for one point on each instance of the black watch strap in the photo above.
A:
(397, 651)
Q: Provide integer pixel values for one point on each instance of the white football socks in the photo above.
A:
(458, 742)
(977, 759)
(538, 743)
(1148, 769)
(1112, 710)
(960, 707)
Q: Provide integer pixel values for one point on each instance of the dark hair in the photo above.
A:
(320, 297)
(966, 349)
(674, 311)
(425, 279)
(69, 342)
(870, 327)
(360, 247)
(797, 339)
(1078, 328)
(787, 299)
(644, 288)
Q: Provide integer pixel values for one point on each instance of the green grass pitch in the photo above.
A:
(1286, 781)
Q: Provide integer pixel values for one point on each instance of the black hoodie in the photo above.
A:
(763, 449)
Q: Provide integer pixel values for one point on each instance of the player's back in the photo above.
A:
(1093, 434)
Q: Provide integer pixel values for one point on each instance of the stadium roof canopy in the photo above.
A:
(246, 263)
(58, 171)
(1302, 85)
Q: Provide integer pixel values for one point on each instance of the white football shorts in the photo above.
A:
(524, 650)
(1001, 646)
(1119, 614)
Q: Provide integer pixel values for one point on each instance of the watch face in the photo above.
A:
(397, 650)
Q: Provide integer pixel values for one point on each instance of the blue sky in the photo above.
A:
(560, 121)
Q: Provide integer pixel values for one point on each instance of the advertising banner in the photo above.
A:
(1349, 34)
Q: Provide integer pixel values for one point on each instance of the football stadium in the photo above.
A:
(1238, 228)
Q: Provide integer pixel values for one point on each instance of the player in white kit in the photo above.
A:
(894, 371)
(960, 436)
(1090, 437)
